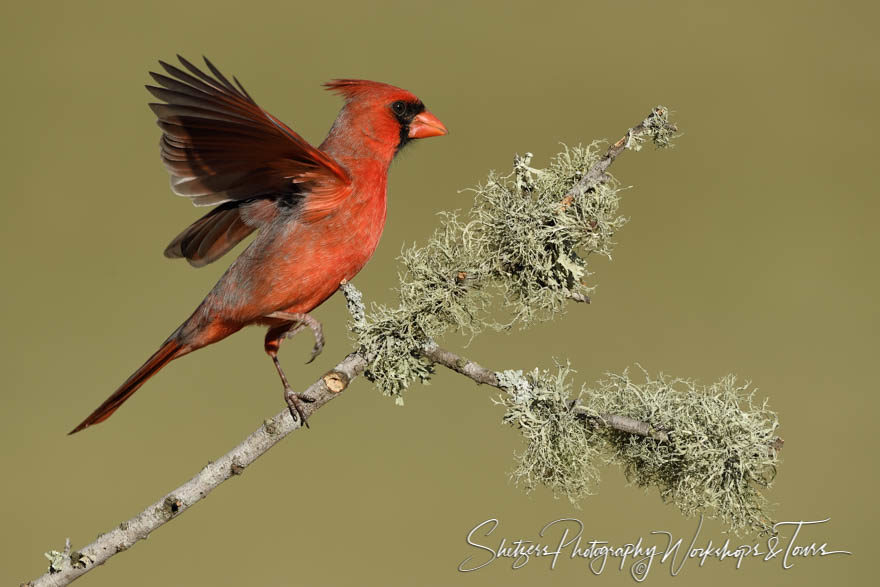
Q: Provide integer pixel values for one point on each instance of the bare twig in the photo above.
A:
(579, 297)
(459, 364)
(627, 425)
(173, 504)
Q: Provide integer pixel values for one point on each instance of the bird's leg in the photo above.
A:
(295, 323)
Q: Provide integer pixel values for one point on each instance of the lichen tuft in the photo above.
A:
(721, 451)
(560, 451)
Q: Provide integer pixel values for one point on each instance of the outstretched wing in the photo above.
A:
(220, 147)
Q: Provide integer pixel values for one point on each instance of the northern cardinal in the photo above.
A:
(319, 212)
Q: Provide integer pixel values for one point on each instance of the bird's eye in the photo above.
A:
(398, 108)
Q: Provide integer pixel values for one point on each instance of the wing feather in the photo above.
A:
(211, 236)
(220, 147)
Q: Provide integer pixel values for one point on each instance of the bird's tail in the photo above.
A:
(166, 353)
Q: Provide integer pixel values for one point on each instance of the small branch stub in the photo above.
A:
(336, 381)
(172, 505)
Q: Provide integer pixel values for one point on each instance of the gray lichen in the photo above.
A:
(391, 339)
(56, 560)
(721, 450)
(561, 452)
(658, 130)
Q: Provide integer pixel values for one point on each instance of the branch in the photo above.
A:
(631, 140)
(68, 567)
(480, 374)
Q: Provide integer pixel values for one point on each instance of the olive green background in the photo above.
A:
(751, 249)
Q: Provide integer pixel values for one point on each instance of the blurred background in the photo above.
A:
(750, 250)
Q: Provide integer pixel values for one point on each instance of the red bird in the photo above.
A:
(319, 212)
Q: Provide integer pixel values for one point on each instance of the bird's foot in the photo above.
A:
(295, 403)
(300, 320)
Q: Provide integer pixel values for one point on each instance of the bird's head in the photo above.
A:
(382, 114)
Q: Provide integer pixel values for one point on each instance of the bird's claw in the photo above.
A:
(316, 350)
(295, 403)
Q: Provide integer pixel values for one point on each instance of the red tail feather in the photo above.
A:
(169, 351)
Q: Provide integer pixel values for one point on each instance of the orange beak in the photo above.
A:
(426, 125)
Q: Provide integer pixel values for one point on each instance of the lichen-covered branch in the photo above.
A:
(522, 247)
(656, 127)
(481, 374)
(705, 448)
(723, 447)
